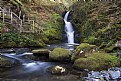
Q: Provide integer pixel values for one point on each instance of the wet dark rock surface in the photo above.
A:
(41, 52)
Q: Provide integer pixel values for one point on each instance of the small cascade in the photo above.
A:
(69, 29)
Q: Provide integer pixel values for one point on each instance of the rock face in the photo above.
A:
(57, 70)
(41, 52)
(59, 54)
(97, 27)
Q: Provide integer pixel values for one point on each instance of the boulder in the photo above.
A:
(41, 52)
(96, 61)
(5, 63)
(57, 70)
(22, 50)
(83, 50)
(7, 50)
(60, 54)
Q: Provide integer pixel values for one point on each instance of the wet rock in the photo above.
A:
(114, 73)
(7, 50)
(22, 50)
(79, 72)
(105, 75)
(57, 70)
(95, 76)
(41, 52)
(5, 63)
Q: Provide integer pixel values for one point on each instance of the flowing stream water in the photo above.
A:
(30, 70)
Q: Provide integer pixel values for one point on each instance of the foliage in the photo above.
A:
(90, 39)
(19, 40)
(93, 23)
(97, 61)
(109, 35)
(81, 47)
(52, 29)
(17, 3)
(59, 54)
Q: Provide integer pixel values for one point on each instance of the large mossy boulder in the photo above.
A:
(41, 52)
(97, 61)
(60, 54)
(83, 50)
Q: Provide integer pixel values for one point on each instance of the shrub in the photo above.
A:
(59, 54)
(20, 40)
(97, 61)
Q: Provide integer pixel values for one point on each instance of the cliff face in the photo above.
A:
(97, 22)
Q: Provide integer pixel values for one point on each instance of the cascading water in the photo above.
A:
(69, 29)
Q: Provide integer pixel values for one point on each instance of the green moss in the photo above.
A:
(90, 40)
(110, 49)
(41, 51)
(16, 3)
(81, 47)
(86, 48)
(97, 61)
(53, 29)
(20, 40)
(59, 54)
(90, 23)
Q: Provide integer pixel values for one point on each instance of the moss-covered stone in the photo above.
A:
(97, 61)
(41, 52)
(83, 50)
(59, 54)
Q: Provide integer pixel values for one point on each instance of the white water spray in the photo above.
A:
(69, 29)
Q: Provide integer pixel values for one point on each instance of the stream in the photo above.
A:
(30, 70)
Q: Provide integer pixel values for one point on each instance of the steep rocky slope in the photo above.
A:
(47, 15)
(97, 22)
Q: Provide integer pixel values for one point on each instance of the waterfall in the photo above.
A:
(69, 29)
